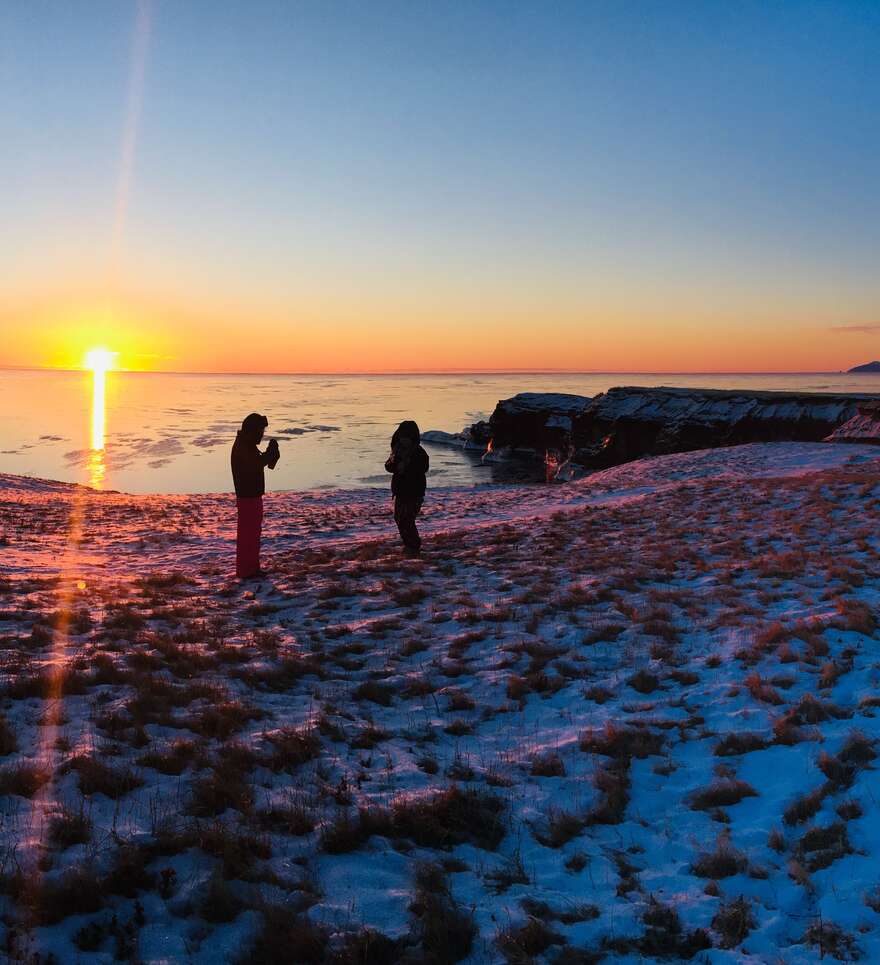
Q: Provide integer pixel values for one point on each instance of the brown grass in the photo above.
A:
(742, 742)
(520, 944)
(722, 792)
(97, 777)
(172, 758)
(284, 936)
(622, 742)
(733, 921)
(819, 847)
(548, 764)
(292, 747)
(804, 807)
(612, 782)
(224, 786)
(830, 939)
(723, 862)
(23, 778)
(8, 740)
(70, 827)
(223, 719)
(644, 682)
(442, 929)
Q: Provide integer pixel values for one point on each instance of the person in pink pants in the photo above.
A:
(249, 478)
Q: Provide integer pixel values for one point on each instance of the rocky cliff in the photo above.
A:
(626, 423)
(864, 426)
(571, 433)
(867, 367)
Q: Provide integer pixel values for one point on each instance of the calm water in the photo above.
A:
(171, 433)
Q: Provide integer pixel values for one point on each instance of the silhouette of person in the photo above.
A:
(248, 476)
(409, 464)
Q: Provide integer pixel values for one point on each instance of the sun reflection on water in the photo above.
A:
(99, 408)
(97, 468)
(99, 361)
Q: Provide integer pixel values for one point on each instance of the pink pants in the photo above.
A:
(247, 543)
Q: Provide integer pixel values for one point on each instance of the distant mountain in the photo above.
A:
(867, 367)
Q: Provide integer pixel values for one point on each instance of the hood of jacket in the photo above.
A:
(409, 430)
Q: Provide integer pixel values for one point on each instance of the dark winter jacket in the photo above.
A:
(409, 466)
(408, 462)
(248, 465)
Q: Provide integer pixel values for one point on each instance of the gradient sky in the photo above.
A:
(333, 186)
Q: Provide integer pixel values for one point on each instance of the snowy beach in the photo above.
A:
(621, 719)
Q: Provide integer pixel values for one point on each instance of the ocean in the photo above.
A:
(150, 433)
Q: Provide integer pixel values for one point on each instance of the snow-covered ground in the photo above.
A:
(622, 719)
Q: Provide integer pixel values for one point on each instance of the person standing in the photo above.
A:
(248, 477)
(409, 464)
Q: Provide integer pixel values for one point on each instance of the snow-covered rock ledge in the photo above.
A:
(864, 426)
(572, 433)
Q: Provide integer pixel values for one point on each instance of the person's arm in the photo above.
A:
(267, 458)
(389, 463)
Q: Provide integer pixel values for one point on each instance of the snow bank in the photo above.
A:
(597, 715)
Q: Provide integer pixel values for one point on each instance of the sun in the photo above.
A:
(99, 360)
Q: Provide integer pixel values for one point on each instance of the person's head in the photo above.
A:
(253, 426)
(407, 430)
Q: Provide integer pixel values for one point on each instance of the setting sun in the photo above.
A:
(99, 360)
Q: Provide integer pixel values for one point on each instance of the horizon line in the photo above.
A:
(445, 371)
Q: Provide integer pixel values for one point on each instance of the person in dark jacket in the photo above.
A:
(409, 464)
(248, 476)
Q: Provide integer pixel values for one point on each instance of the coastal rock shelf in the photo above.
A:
(864, 426)
(571, 433)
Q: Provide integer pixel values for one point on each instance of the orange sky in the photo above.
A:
(326, 335)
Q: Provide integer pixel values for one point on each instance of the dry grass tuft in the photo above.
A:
(549, 764)
(70, 827)
(292, 747)
(721, 793)
(285, 935)
(520, 944)
(622, 742)
(804, 807)
(173, 758)
(723, 862)
(821, 846)
(452, 817)
(222, 719)
(96, 777)
(830, 939)
(224, 786)
(8, 740)
(740, 742)
(24, 778)
(733, 921)
(375, 692)
(644, 682)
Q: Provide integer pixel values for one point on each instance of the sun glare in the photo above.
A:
(99, 360)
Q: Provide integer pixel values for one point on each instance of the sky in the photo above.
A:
(427, 186)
